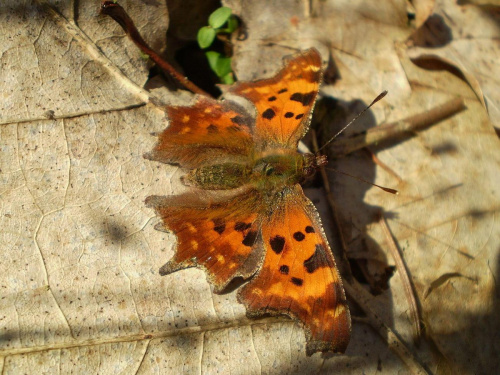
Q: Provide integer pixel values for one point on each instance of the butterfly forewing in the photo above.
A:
(206, 132)
(284, 102)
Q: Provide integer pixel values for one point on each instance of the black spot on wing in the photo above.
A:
(277, 244)
(268, 114)
(309, 229)
(303, 98)
(299, 116)
(297, 281)
(282, 91)
(238, 120)
(212, 129)
(284, 269)
(271, 99)
(241, 226)
(299, 236)
(318, 260)
(249, 238)
(289, 114)
(219, 226)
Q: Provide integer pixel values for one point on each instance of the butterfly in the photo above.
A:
(244, 213)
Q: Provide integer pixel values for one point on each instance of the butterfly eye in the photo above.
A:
(268, 170)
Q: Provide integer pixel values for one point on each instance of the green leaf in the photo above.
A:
(220, 65)
(228, 79)
(223, 66)
(212, 58)
(219, 17)
(205, 37)
(232, 24)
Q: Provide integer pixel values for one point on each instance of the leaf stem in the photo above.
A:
(116, 12)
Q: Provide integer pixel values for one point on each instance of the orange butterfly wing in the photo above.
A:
(299, 277)
(206, 132)
(284, 102)
(222, 237)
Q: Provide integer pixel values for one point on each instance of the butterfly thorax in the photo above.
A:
(267, 172)
(273, 172)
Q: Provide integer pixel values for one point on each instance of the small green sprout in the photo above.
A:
(221, 21)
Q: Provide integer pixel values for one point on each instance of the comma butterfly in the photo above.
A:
(245, 214)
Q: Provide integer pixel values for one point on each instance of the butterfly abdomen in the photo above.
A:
(218, 176)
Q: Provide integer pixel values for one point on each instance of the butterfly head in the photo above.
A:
(311, 163)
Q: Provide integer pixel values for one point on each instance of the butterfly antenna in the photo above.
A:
(386, 189)
(380, 96)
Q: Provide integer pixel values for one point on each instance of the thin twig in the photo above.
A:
(405, 278)
(398, 129)
(116, 12)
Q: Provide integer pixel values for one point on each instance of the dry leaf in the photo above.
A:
(80, 288)
(473, 50)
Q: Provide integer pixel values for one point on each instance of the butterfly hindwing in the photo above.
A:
(299, 277)
(223, 238)
(284, 102)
